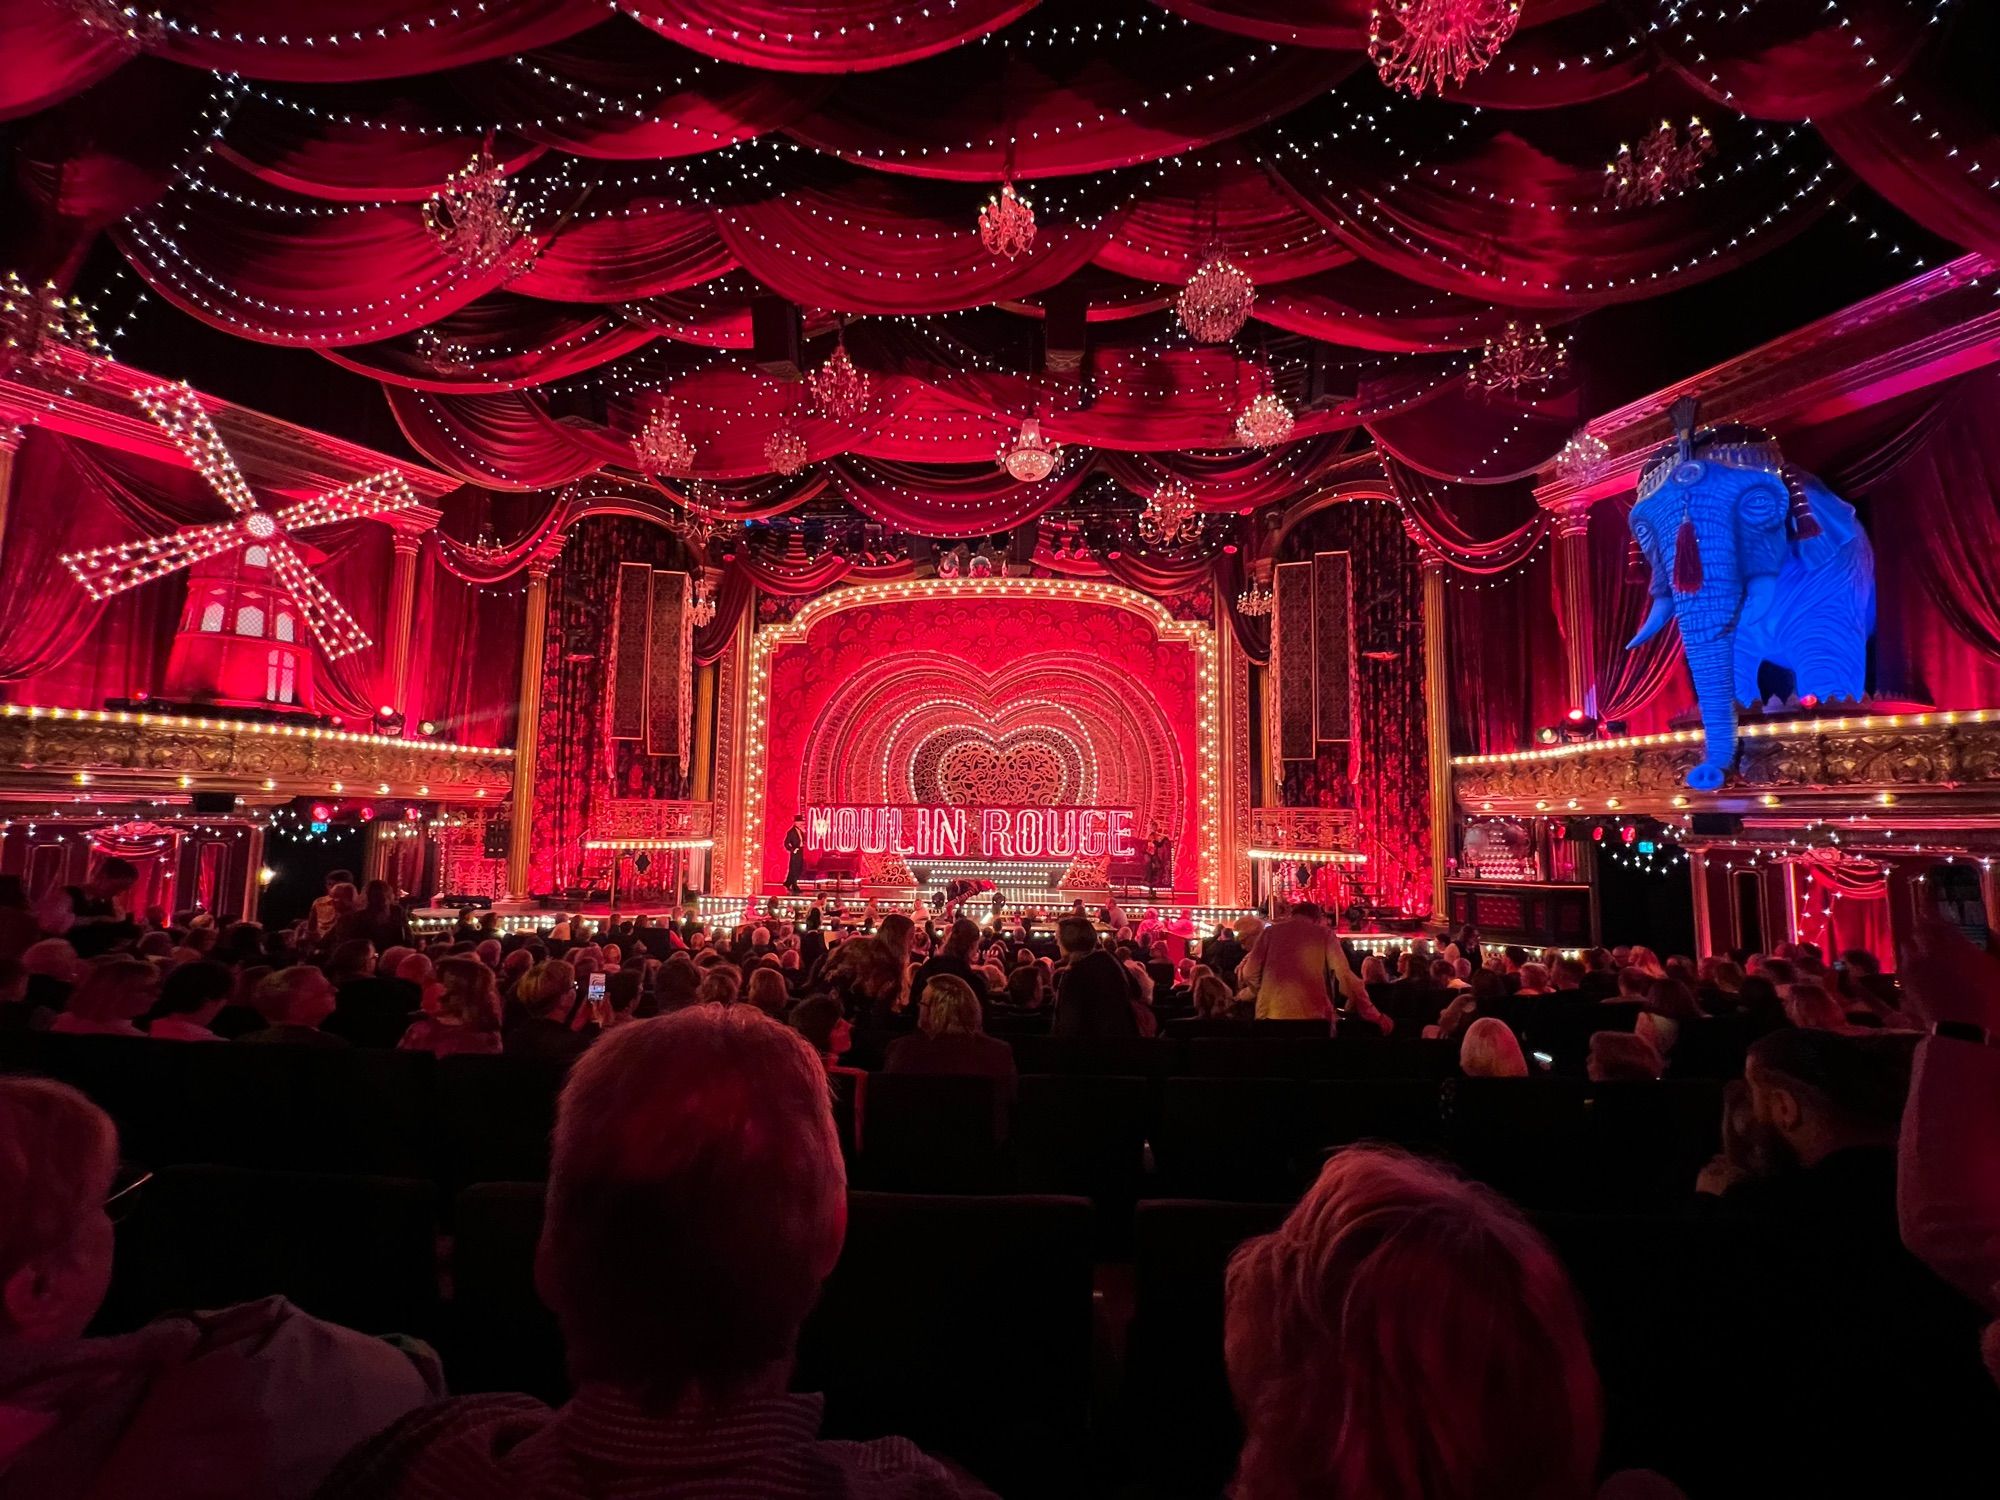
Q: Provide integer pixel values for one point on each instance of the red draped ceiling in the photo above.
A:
(264, 166)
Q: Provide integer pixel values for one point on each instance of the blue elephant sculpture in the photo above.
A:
(1757, 562)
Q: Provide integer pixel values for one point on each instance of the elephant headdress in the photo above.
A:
(1757, 562)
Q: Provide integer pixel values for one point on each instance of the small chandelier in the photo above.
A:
(1171, 518)
(840, 389)
(128, 25)
(661, 447)
(475, 217)
(1007, 223)
(1264, 423)
(702, 609)
(1583, 457)
(1255, 601)
(37, 325)
(1028, 456)
(1216, 299)
(1419, 45)
(785, 450)
(1666, 163)
(1519, 357)
(444, 354)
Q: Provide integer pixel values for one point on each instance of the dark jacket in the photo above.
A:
(1094, 998)
(373, 1012)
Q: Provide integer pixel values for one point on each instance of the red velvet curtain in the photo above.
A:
(1844, 903)
(1648, 684)
(465, 658)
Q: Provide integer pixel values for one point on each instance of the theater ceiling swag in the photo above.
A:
(539, 223)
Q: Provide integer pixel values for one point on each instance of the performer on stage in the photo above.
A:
(795, 853)
(1160, 863)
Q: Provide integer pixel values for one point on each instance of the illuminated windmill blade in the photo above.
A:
(105, 571)
(378, 495)
(340, 634)
(179, 412)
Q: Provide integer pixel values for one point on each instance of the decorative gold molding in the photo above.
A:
(43, 748)
(1809, 768)
(1281, 829)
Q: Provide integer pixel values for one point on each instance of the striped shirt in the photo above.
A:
(602, 1446)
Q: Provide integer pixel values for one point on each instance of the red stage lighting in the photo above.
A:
(367, 813)
(322, 813)
(1576, 716)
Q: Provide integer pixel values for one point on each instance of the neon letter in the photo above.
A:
(995, 841)
(1121, 833)
(819, 827)
(1089, 838)
(948, 832)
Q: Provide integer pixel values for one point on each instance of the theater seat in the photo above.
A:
(495, 1115)
(1177, 1424)
(1120, 1057)
(1237, 1138)
(965, 1324)
(921, 1133)
(499, 1336)
(1085, 1136)
(1646, 1142)
(1523, 1136)
(351, 1249)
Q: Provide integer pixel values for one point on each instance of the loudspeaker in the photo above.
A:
(212, 802)
(1716, 824)
(777, 337)
(496, 839)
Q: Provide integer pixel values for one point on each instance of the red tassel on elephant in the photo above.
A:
(1687, 559)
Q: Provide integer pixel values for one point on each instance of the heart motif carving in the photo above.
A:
(979, 771)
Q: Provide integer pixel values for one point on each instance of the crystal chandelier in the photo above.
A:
(127, 23)
(475, 217)
(702, 610)
(1521, 356)
(1216, 299)
(1170, 518)
(1028, 456)
(1420, 45)
(1255, 601)
(1583, 457)
(1007, 223)
(840, 389)
(785, 450)
(1666, 163)
(661, 447)
(1264, 423)
(444, 354)
(37, 325)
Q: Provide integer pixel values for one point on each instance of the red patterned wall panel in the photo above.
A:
(630, 621)
(1333, 646)
(670, 681)
(1292, 659)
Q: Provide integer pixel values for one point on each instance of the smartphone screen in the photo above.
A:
(594, 991)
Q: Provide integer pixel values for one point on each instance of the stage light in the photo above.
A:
(1578, 725)
(266, 875)
(428, 728)
(321, 813)
(1613, 728)
(1548, 734)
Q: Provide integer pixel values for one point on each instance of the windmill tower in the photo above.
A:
(252, 596)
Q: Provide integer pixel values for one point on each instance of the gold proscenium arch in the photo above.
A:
(747, 859)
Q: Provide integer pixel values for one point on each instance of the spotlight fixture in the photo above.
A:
(428, 728)
(388, 721)
(1579, 724)
(1548, 734)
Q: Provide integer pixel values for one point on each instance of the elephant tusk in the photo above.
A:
(1663, 611)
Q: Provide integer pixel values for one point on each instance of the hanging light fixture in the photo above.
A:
(1667, 163)
(1425, 45)
(1007, 223)
(702, 609)
(445, 354)
(1520, 356)
(838, 386)
(1216, 300)
(785, 450)
(1265, 422)
(36, 325)
(661, 447)
(1255, 601)
(1171, 518)
(475, 217)
(1583, 457)
(1028, 456)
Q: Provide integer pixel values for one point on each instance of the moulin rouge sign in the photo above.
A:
(971, 832)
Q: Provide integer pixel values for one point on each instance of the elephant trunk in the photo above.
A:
(1711, 665)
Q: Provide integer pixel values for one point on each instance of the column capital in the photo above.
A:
(12, 435)
(406, 543)
(1570, 514)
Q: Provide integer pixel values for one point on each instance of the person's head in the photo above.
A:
(821, 1021)
(196, 991)
(114, 989)
(415, 968)
(1077, 936)
(1633, 983)
(1568, 974)
(1024, 987)
(948, 1007)
(1213, 1000)
(622, 989)
(1672, 999)
(696, 1202)
(1861, 961)
(113, 877)
(1391, 1278)
(1489, 1049)
(1807, 1004)
(1488, 987)
(487, 951)
(58, 1156)
(1443, 970)
(895, 933)
(468, 994)
(1817, 1092)
(377, 897)
(1759, 998)
(335, 879)
(51, 958)
(1373, 970)
(1309, 911)
(1247, 930)
(391, 959)
(676, 983)
(720, 985)
(1778, 970)
(1724, 974)
(353, 959)
(343, 896)
(767, 992)
(962, 939)
(297, 996)
(547, 990)
(515, 964)
(1534, 979)
(1622, 1057)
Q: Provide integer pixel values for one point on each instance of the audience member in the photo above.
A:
(112, 994)
(1491, 1050)
(769, 993)
(191, 997)
(294, 1003)
(1622, 1057)
(1093, 993)
(371, 1009)
(467, 1018)
(948, 1038)
(546, 996)
(1298, 972)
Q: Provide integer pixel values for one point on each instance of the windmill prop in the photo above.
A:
(105, 571)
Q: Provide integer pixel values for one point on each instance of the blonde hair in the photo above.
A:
(114, 989)
(470, 993)
(948, 1008)
(1489, 1049)
(57, 1151)
(1407, 1333)
(546, 985)
(768, 993)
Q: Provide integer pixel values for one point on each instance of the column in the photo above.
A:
(1437, 727)
(253, 882)
(10, 448)
(402, 609)
(1704, 919)
(1229, 838)
(527, 731)
(1574, 607)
